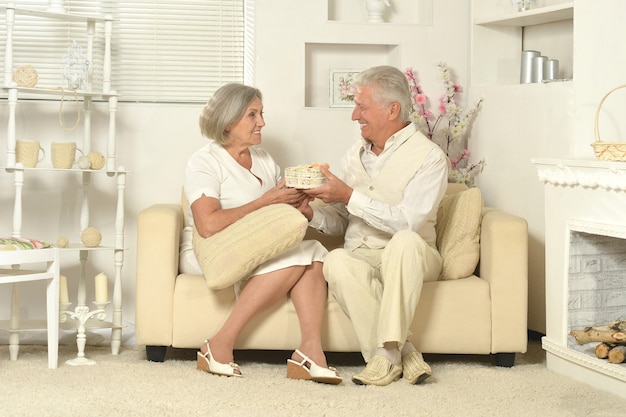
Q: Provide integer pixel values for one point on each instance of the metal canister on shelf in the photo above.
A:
(526, 69)
(538, 64)
(551, 70)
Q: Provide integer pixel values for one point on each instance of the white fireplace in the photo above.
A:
(585, 243)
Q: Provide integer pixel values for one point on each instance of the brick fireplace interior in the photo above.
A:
(597, 282)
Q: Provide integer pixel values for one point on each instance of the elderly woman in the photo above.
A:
(225, 180)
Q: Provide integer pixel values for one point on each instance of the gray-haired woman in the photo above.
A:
(225, 180)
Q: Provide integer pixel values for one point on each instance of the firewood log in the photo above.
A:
(602, 350)
(591, 334)
(617, 354)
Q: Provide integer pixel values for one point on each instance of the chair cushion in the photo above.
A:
(233, 253)
(458, 233)
(17, 243)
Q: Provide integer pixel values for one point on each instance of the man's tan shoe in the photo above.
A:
(414, 369)
(379, 371)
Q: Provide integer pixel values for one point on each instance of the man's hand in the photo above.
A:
(334, 191)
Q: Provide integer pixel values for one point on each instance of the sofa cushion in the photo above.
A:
(233, 253)
(458, 233)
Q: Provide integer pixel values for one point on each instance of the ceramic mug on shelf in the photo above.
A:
(28, 152)
(63, 154)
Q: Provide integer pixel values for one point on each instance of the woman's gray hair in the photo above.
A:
(226, 107)
(389, 85)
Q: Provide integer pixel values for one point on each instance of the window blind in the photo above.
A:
(162, 50)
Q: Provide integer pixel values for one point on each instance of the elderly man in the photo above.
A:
(385, 200)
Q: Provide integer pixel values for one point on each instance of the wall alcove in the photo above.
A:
(322, 58)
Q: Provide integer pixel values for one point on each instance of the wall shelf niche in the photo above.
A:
(498, 40)
(321, 58)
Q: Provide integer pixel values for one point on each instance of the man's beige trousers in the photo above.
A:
(379, 288)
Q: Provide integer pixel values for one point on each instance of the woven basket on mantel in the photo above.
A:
(608, 151)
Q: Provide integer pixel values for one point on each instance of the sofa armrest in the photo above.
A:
(159, 229)
(504, 264)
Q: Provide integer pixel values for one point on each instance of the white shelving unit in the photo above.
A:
(498, 40)
(83, 316)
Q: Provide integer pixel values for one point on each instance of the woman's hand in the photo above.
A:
(282, 194)
(210, 218)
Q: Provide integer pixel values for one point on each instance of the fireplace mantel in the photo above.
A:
(589, 197)
(582, 173)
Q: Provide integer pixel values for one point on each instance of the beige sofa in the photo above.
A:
(484, 313)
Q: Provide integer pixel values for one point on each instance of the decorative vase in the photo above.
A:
(375, 10)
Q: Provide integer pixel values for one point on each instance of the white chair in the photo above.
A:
(14, 266)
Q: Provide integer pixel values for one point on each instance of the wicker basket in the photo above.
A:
(607, 151)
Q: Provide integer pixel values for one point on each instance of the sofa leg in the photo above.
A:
(156, 353)
(505, 359)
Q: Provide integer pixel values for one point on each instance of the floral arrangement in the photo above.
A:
(346, 87)
(450, 129)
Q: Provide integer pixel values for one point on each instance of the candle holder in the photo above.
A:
(82, 314)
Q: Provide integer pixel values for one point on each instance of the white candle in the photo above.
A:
(102, 288)
(63, 293)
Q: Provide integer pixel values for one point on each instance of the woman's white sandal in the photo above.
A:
(206, 363)
(309, 370)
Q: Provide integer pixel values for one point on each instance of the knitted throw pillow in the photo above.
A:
(233, 253)
(458, 233)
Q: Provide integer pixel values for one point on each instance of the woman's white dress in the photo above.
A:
(213, 172)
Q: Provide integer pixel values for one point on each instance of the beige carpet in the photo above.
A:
(128, 385)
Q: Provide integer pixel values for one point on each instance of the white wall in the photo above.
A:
(154, 141)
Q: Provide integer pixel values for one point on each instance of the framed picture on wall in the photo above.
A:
(342, 87)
